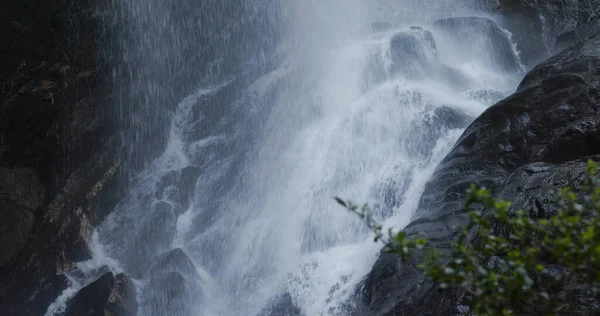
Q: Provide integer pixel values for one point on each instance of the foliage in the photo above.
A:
(511, 263)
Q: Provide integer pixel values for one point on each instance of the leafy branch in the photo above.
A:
(510, 261)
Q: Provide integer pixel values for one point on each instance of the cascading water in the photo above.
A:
(237, 217)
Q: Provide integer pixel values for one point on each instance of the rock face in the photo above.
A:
(413, 54)
(61, 163)
(281, 305)
(76, 78)
(541, 28)
(108, 295)
(542, 134)
(58, 160)
(427, 132)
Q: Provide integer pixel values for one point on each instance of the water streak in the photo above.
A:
(363, 101)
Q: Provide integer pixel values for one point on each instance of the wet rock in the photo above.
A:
(578, 35)
(524, 22)
(558, 16)
(175, 283)
(159, 225)
(122, 298)
(485, 96)
(551, 101)
(174, 261)
(21, 193)
(426, 133)
(484, 36)
(534, 185)
(414, 55)
(426, 37)
(15, 226)
(281, 305)
(74, 110)
(388, 194)
(91, 299)
(179, 186)
(22, 186)
(542, 27)
(565, 40)
(413, 50)
(172, 294)
(452, 77)
(539, 136)
(589, 10)
(56, 145)
(59, 236)
(155, 235)
(108, 295)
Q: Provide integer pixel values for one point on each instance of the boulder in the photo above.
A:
(413, 50)
(108, 295)
(425, 133)
(174, 286)
(413, 54)
(174, 260)
(122, 298)
(281, 305)
(542, 134)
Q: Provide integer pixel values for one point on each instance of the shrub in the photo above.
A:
(510, 262)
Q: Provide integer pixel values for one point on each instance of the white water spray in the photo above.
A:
(346, 114)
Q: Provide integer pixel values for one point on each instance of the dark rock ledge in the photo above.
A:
(543, 28)
(539, 137)
(109, 295)
(59, 160)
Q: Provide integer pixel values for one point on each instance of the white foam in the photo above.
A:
(277, 229)
(184, 222)
(283, 232)
(88, 269)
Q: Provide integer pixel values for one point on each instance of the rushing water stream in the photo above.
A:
(349, 98)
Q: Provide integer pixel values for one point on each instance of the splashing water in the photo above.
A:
(366, 99)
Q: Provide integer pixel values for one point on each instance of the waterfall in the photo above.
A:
(275, 107)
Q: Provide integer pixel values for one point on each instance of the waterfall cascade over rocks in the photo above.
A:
(250, 116)
(358, 99)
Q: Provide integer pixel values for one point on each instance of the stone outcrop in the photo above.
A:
(542, 28)
(62, 163)
(84, 105)
(59, 163)
(541, 135)
(281, 305)
(109, 295)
